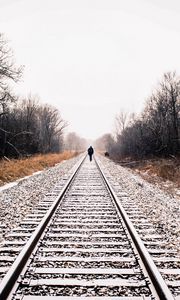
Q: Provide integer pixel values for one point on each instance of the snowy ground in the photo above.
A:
(161, 206)
(18, 199)
(164, 209)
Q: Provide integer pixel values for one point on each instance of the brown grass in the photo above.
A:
(166, 169)
(18, 168)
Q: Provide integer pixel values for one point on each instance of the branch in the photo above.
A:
(4, 113)
(19, 133)
(5, 130)
(14, 148)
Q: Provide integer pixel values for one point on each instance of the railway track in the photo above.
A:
(79, 243)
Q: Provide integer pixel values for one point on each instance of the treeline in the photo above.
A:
(74, 142)
(26, 125)
(156, 132)
(29, 127)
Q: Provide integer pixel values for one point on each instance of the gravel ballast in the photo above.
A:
(161, 207)
(20, 199)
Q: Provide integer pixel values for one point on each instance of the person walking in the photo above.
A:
(90, 152)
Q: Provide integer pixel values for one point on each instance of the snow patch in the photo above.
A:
(14, 183)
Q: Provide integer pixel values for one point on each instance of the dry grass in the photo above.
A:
(18, 168)
(166, 169)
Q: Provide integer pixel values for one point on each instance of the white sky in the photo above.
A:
(93, 58)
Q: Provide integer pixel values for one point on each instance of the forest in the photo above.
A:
(153, 133)
(26, 125)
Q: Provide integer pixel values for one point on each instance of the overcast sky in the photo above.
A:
(92, 59)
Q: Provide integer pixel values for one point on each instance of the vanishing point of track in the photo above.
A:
(79, 243)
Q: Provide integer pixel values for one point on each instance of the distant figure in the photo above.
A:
(90, 152)
(106, 154)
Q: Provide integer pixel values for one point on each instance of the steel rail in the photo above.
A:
(160, 286)
(10, 278)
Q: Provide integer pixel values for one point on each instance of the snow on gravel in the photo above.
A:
(161, 207)
(19, 198)
(164, 210)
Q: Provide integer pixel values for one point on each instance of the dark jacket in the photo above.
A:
(90, 150)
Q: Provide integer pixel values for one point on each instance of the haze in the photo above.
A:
(92, 59)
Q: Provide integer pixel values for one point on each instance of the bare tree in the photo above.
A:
(8, 72)
(31, 127)
(171, 88)
(121, 122)
(51, 127)
(105, 143)
(74, 142)
(157, 130)
(25, 125)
